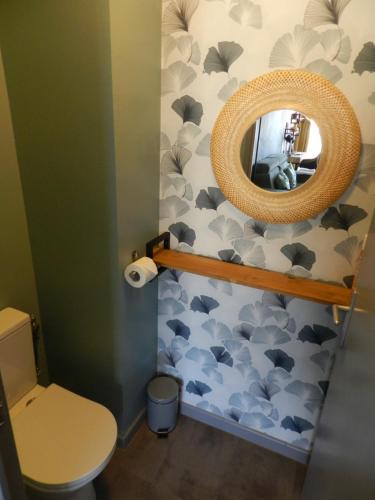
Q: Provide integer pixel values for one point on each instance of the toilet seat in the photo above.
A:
(63, 440)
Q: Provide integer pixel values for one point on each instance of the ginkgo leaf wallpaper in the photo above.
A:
(252, 357)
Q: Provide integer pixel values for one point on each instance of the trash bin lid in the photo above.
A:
(162, 390)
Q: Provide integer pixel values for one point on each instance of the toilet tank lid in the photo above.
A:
(10, 320)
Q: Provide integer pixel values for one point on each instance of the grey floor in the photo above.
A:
(198, 462)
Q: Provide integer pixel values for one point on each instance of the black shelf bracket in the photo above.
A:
(164, 238)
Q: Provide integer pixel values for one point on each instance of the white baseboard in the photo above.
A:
(250, 435)
(223, 424)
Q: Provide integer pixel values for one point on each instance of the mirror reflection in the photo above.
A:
(281, 150)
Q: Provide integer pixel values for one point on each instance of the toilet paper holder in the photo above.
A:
(164, 238)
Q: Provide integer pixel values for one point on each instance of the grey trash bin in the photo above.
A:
(162, 405)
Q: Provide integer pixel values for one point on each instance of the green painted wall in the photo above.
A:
(135, 53)
(57, 58)
(17, 280)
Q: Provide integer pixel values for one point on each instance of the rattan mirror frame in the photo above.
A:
(312, 95)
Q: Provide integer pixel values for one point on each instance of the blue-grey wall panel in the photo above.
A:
(57, 65)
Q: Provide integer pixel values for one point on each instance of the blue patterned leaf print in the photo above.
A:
(256, 421)
(203, 148)
(169, 357)
(177, 16)
(171, 275)
(233, 414)
(276, 300)
(170, 307)
(258, 314)
(300, 228)
(203, 304)
(161, 344)
(205, 405)
(230, 255)
(248, 372)
(299, 255)
(171, 289)
(170, 370)
(176, 77)
(266, 407)
(320, 13)
(282, 318)
(280, 359)
(250, 254)
(199, 388)
(255, 314)
(222, 356)
(278, 375)
(220, 60)
(322, 359)
(264, 389)
(188, 109)
(165, 143)
(217, 330)
(187, 133)
(172, 207)
(299, 272)
(214, 375)
(179, 328)
(243, 400)
(365, 61)
(272, 335)
(246, 13)
(210, 199)
(291, 49)
(291, 326)
(244, 331)
(324, 384)
(349, 248)
(228, 89)
(238, 351)
(226, 229)
(174, 161)
(326, 69)
(222, 286)
(184, 297)
(188, 192)
(204, 358)
(185, 248)
(277, 231)
(233, 346)
(343, 218)
(183, 233)
(255, 229)
(317, 334)
(179, 343)
(274, 414)
(296, 424)
(244, 248)
(310, 394)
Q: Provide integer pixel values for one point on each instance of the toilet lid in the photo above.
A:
(63, 440)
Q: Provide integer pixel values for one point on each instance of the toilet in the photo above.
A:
(63, 440)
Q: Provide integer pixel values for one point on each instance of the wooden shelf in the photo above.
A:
(272, 281)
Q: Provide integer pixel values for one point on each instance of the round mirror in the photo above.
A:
(281, 150)
(300, 97)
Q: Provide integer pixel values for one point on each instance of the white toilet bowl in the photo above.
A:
(63, 442)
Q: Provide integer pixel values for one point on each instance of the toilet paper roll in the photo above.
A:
(140, 272)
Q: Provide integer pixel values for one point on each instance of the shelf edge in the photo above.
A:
(263, 279)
